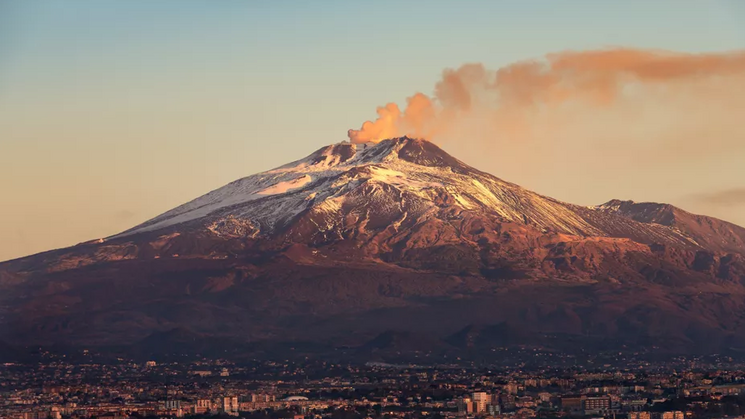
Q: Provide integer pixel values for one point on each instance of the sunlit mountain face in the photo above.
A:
(368, 242)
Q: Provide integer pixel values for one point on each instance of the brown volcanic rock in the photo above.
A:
(376, 245)
(708, 232)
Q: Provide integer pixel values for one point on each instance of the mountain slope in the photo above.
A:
(394, 239)
(402, 178)
(707, 232)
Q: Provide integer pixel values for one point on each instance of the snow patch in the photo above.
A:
(283, 187)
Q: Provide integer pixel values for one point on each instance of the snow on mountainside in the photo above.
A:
(705, 231)
(355, 240)
(411, 174)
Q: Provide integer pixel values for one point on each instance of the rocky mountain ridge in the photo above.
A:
(359, 241)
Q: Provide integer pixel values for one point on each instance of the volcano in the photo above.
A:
(396, 245)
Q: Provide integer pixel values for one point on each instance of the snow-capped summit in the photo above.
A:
(355, 240)
(401, 182)
(271, 198)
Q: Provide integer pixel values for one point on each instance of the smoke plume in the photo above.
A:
(506, 102)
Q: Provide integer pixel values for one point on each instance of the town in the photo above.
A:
(682, 388)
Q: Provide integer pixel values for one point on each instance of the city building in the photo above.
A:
(230, 405)
(480, 400)
(596, 405)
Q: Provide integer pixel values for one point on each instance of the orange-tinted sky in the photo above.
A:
(114, 111)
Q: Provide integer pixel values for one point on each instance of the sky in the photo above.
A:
(114, 111)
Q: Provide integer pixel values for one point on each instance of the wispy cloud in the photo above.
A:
(725, 198)
(124, 215)
(588, 81)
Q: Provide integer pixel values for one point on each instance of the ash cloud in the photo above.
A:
(513, 101)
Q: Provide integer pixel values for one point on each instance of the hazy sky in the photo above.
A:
(112, 112)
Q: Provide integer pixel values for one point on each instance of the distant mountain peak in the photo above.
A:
(645, 212)
(706, 232)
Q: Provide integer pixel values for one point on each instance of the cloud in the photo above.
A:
(589, 126)
(725, 198)
(124, 215)
(511, 100)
